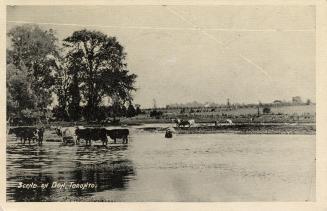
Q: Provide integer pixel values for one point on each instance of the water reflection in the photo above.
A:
(207, 167)
(108, 175)
(55, 164)
(32, 194)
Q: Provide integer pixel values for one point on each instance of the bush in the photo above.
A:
(156, 114)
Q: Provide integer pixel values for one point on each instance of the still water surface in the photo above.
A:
(209, 167)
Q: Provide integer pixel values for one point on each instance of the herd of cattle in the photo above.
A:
(71, 134)
(191, 122)
(184, 123)
(75, 134)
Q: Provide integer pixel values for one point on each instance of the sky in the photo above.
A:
(199, 53)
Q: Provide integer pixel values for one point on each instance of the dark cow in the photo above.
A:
(18, 133)
(89, 134)
(40, 132)
(28, 133)
(118, 134)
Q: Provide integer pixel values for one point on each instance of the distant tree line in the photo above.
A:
(208, 105)
(87, 68)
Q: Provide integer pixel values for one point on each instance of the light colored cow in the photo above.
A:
(229, 121)
(67, 134)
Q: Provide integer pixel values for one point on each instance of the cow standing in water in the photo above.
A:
(118, 134)
(184, 123)
(66, 134)
(229, 121)
(40, 133)
(92, 134)
(28, 134)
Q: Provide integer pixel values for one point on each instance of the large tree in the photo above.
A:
(62, 84)
(32, 60)
(67, 89)
(102, 70)
(74, 108)
(19, 93)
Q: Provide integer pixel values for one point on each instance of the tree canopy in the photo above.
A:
(102, 70)
(88, 67)
(31, 62)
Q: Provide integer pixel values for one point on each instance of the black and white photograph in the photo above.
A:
(160, 103)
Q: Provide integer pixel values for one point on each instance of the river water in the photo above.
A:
(194, 167)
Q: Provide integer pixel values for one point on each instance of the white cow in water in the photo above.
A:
(66, 133)
(229, 121)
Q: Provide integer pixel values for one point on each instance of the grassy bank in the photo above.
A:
(251, 129)
(305, 129)
(280, 114)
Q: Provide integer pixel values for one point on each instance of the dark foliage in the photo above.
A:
(102, 71)
(89, 67)
(156, 114)
(266, 110)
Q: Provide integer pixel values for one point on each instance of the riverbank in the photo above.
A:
(304, 129)
(209, 128)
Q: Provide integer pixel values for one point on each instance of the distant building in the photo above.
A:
(296, 100)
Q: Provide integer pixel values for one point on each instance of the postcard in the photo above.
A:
(166, 102)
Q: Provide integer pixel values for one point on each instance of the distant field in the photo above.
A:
(310, 109)
(294, 109)
(281, 114)
(287, 114)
